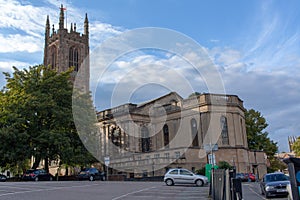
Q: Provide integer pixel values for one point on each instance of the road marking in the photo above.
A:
(130, 193)
(250, 188)
(47, 189)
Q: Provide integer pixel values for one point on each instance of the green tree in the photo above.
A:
(296, 147)
(258, 138)
(36, 118)
(224, 165)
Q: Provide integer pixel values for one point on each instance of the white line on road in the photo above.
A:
(130, 193)
(250, 188)
(48, 189)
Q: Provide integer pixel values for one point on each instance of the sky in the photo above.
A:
(253, 44)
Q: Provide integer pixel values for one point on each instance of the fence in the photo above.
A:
(225, 186)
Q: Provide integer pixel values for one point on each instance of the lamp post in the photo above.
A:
(153, 167)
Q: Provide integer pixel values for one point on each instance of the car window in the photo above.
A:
(185, 172)
(276, 177)
(174, 171)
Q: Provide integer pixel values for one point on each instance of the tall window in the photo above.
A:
(224, 129)
(194, 130)
(53, 54)
(166, 136)
(145, 139)
(73, 58)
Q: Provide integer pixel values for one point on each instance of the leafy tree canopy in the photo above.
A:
(296, 147)
(258, 138)
(36, 118)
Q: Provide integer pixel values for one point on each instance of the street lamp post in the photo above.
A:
(153, 168)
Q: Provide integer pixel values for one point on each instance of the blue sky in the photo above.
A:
(254, 44)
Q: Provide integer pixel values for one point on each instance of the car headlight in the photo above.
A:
(268, 188)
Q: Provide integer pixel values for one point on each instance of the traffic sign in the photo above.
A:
(106, 160)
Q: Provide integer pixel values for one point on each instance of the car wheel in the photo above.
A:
(36, 179)
(267, 195)
(169, 182)
(91, 178)
(199, 183)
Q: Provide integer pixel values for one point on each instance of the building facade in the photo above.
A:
(168, 132)
(68, 48)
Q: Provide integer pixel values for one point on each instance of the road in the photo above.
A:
(78, 190)
(252, 191)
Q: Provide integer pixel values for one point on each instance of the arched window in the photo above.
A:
(145, 139)
(115, 136)
(73, 58)
(166, 136)
(224, 129)
(53, 54)
(194, 130)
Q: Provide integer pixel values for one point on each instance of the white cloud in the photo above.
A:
(6, 66)
(17, 42)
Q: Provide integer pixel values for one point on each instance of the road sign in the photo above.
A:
(106, 160)
(212, 159)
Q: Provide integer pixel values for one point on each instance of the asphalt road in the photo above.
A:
(98, 190)
(252, 191)
(78, 190)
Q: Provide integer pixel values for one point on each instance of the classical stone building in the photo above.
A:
(68, 48)
(167, 132)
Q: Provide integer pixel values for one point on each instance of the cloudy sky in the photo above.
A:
(255, 45)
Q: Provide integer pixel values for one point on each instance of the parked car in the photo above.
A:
(184, 176)
(242, 176)
(3, 178)
(91, 174)
(251, 177)
(274, 184)
(37, 175)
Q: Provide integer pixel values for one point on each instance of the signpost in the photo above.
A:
(106, 162)
(210, 148)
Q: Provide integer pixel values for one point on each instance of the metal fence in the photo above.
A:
(225, 186)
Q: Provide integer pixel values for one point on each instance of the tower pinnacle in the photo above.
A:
(86, 25)
(61, 17)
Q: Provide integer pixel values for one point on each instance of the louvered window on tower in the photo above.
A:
(73, 58)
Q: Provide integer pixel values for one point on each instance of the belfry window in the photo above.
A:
(53, 54)
(73, 58)
(166, 136)
(194, 130)
(224, 129)
(145, 139)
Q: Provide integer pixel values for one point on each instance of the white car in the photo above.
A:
(184, 176)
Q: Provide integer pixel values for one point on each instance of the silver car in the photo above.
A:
(184, 176)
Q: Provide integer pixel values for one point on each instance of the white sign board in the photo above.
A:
(212, 159)
(106, 160)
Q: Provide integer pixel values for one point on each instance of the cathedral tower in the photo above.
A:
(68, 48)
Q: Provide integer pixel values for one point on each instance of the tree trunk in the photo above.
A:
(47, 164)
(36, 162)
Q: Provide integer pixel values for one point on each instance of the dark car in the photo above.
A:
(3, 178)
(242, 176)
(274, 184)
(91, 174)
(37, 175)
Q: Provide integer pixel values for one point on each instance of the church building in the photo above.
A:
(167, 132)
(68, 48)
(170, 131)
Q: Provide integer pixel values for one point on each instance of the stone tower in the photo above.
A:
(68, 48)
